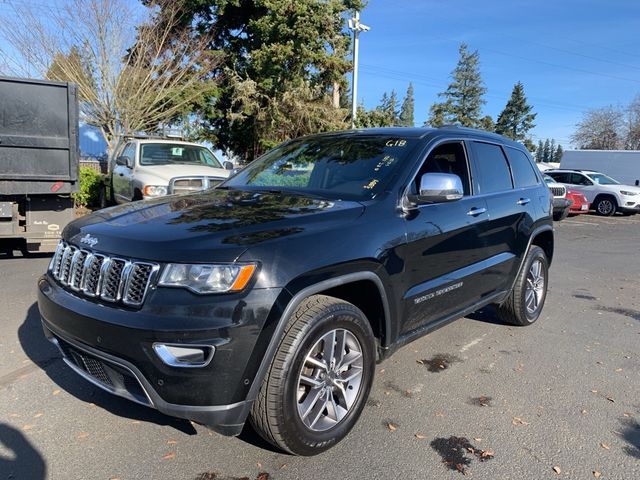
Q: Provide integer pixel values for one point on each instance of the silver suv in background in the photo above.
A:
(560, 203)
(144, 168)
(606, 195)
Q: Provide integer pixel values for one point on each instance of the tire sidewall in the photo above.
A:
(300, 439)
(610, 212)
(536, 254)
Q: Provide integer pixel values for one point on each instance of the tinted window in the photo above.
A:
(341, 166)
(579, 179)
(560, 177)
(446, 158)
(521, 168)
(492, 168)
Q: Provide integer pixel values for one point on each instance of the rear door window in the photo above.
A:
(521, 168)
(492, 166)
(560, 177)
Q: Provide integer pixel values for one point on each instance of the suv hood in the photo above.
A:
(217, 225)
(165, 173)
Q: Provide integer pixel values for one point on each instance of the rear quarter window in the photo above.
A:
(493, 170)
(523, 171)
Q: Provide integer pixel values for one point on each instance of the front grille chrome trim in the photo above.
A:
(111, 279)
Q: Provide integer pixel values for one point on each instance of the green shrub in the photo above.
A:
(90, 185)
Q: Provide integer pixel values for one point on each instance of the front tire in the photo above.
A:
(525, 302)
(319, 379)
(606, 206)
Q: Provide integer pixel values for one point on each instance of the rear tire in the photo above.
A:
(605, 206)
(525, 302)
(319, 379)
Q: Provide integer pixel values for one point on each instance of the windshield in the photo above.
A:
(602, 179)
(354, 167)
(176, 153)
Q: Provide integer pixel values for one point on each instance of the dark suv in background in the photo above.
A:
(272, 296)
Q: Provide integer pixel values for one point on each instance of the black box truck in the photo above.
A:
(38, 162)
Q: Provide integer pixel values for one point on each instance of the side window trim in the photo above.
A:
(423, 158)
(475, 157)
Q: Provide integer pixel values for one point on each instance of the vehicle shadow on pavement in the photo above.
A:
(41, 352)
(487, 315)
(26, 461)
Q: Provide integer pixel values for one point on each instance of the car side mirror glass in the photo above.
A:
(228, 165)
(124, 161)
(438, 188)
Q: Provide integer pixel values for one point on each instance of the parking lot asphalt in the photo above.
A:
(559, 399)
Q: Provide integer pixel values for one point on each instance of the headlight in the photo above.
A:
(631, 194)
(202, 278)
(154, 190)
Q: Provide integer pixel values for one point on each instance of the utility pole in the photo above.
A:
(356, 27)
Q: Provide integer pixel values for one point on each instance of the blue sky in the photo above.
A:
(571, 55)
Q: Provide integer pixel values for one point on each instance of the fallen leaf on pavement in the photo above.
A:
(626, 414)
(392, 426)
(618, 369)
(594, 391)
(284, 465)
(420, 436)
(583, 411)
(82, 435)
(259, 465)
(605, 446)
(478, 439)
(262, 476)
(611, 400)
(519, 421)
(169, 456)
(597, 474)
(56, 392)
(27, 427)
(171, 442)
(486, 454)
(557, 470)
(440, 414)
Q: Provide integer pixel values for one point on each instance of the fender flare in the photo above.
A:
(291, 307)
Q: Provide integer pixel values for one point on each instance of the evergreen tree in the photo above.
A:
(279, 64)
(392, 109)
(546, 151)
(552, 150)
(463, 98)
(557, 157)
(540, 152)
(406, 112)
(517, 118)
(486, 123)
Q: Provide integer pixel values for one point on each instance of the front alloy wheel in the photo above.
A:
(606, 207)
(319, 379)
(330, 380)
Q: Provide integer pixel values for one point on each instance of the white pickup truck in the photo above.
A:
(144, 168)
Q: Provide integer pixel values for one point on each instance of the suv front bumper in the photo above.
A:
(112, 348)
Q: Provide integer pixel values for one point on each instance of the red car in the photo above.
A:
(579, 203)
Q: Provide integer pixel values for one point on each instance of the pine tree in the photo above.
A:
(392, 109)
(546, 151)
(552, 150)
(463, 98)
(406, 112)
(517, 118)
(540, 152)
(557, 157)
(486, 123)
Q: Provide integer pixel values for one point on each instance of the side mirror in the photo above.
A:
(124, 161)
(438, 188)
(228, 165)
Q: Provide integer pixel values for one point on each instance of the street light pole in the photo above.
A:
(356, 27)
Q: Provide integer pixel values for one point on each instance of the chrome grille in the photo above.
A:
(558, 191)
(193, 184)
(96, 275)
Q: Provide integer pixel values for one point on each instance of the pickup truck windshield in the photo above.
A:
(176, 153)
(354, 168)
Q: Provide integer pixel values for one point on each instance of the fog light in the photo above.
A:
(186, 356)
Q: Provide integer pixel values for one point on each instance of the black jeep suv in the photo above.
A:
(272, 296)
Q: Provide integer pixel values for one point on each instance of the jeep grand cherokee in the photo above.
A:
(272, 296)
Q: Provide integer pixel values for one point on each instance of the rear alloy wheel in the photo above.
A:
(319, 379)
(606, 206)
(524, 304)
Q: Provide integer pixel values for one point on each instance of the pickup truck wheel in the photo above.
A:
(606, 206)
(319, 379)
(525, 302)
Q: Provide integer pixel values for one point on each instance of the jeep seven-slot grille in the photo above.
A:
(558, 191)
(107, 278)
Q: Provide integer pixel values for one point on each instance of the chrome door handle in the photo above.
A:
(523, 201)
(476, 211)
